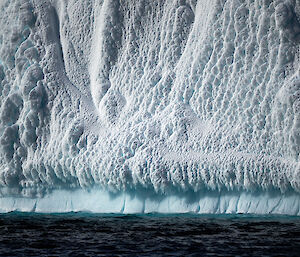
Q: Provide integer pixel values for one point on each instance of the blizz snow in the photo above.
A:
(142, 105)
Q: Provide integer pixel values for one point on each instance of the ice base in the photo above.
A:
(102, 201)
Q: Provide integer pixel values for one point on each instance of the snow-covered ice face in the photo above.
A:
(168, 96)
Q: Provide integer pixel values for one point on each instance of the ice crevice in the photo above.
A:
(150, 106)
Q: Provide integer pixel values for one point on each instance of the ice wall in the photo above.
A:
(164, 99)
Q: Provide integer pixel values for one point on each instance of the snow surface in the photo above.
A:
(170, 106)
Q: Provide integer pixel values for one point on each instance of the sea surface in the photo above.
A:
(85, 234)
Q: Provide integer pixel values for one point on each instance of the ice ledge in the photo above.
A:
(101, 201)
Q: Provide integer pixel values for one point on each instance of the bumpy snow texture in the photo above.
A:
(150, 105)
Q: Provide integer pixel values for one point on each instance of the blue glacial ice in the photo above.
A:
(150, 106)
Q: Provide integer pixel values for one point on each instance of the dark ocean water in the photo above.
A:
(83, 234)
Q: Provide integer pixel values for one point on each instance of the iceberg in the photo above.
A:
(150, 106)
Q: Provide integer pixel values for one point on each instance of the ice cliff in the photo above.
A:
(150, 105)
